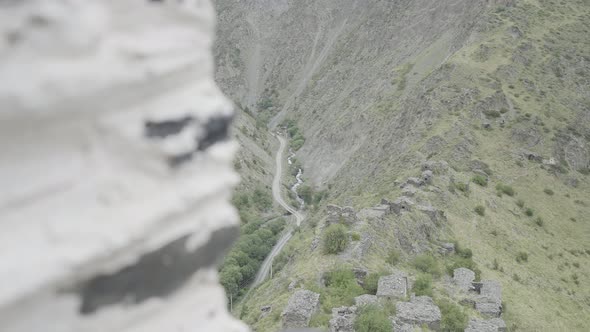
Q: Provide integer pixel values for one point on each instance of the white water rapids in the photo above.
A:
(298, 183)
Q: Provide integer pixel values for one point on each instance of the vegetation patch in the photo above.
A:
(335, 239)
(372, 319)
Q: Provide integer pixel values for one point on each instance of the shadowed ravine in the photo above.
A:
(276, 194)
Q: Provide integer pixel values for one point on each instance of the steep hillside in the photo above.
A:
(497, 90)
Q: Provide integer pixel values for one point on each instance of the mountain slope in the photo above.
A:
(496, 89)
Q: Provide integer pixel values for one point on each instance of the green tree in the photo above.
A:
(335, 239)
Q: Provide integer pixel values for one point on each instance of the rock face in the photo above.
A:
(463, 278)
(119, 184)
(337, 214)
(302, 305)
(366, 299)
(400, 205)
(394, 286)
(419, 311)
(343, 319)
(490, 325)
(489, 301)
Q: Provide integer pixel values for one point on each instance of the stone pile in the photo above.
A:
(420, 311)
(343, 319)
(394, 286)
(301, 306)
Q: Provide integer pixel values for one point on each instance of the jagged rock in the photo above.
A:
(417, 182)
(343, 319)
(366, 299)
(514, 32)
(489, 325)
(427, 177)
(265, 310)
(409, 191)
(434, 214)
(375, 212)
(489, 301)
(399, 326)
(292, 285)
(421, 310)
(402, 204)
(337, 214)
(447, 248)
(437, 167)
(532, 156)
(463, 278)
(301, 306)
(393, 286)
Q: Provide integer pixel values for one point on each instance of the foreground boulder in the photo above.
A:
(421, 310)
(302, 305)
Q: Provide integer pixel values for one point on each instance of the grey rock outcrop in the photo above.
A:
(402, 204)
(447, 248)
(393, 286)
(421, 310)
(366, 299)
(427, 177)
(343, 319)
(374, 212)
(337, 214)
(301, 306)
(435, 215)
(489, 300)
(463, 278)
(437, 167)
(489, 325)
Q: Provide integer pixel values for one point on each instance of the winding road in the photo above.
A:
(276, 194)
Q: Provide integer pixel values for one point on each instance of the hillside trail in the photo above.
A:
(299, 217)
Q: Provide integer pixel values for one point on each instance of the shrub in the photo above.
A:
(426, 264)
(520, 203)
(480, 210)
(516, 277)
(522, 257)
(335, 239)
(372, 319)
(342, 287)
(371, 283)
(423, 285)
(462, 187)
(548, 191)
(492, 113)
(505, 189)
(539, 221)
(529, 212)
(355, 236)
(453, 317)
(480, 180)
(393, 257)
